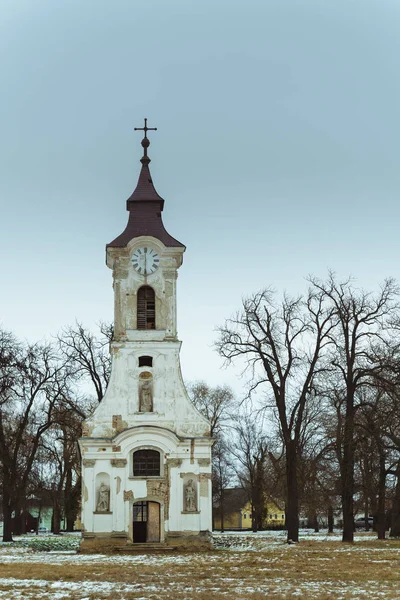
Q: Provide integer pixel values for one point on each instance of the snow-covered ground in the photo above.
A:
(220, 574)
(22, 589)
(322, 535)
(264, 540)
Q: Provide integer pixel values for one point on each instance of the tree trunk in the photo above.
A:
(366, 514)
(24, 517)
(7, 515)
(330, 519)
(71, 497)
(70, 523)
(315, 522)
(347, 472)
(395, 520)
(38, 519)
(56, 517)
(381, 496)
(292, 500)
(17, 529)
(257, 501)
(221, 508)
(254, 517)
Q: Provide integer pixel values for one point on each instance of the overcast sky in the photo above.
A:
(277, 151)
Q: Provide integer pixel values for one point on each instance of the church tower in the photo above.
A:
(146, 450)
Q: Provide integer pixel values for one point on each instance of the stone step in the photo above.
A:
(148, 547)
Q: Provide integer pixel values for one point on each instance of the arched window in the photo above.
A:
(146, 463)
(146, 308)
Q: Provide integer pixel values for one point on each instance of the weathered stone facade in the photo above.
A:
(146, 411)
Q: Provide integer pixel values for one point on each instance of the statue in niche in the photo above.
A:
(145, 394)
(190, 496)
(103, 502)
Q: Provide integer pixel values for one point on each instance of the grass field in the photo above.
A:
(244, 566)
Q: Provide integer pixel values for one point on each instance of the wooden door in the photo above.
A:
(153, 522)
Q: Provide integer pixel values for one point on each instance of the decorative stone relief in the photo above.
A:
(204, 462)
(190, 496)
(128, 495)
(191, 428)
(89, 462)
(118, 462)
(174, 462)
(145, 392)
(116, 448)
(103, 500)
(85, 430)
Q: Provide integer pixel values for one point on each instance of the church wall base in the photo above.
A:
(189, 540)
(103, 543)
(118, 542)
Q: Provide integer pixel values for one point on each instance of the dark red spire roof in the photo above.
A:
(145, 190)
(145, 207)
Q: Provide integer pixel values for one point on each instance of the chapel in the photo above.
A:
(146, 450)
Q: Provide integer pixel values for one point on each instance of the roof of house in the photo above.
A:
(234, 500)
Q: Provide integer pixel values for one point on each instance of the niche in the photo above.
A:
(102, 500)
(145, 392)
(190, 501)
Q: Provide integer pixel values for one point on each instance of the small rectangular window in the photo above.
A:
(145, 361)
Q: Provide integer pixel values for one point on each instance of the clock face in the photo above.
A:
(145, 261)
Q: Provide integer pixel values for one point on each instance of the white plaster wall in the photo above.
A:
(117, 428)
(171, 406)
(170, 447)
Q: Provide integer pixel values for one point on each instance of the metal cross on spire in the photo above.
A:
(145, 140)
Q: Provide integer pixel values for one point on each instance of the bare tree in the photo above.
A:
(392, 430)
(60, 466)
(32, 386)
(88, 355)
(214, 403)
(250, 448)
(317, 464)
(222, 475)
(283, 346)
(363, 325)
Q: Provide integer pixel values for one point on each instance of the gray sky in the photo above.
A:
(276, 152)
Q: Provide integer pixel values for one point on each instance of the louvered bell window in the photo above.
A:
(146, 308)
